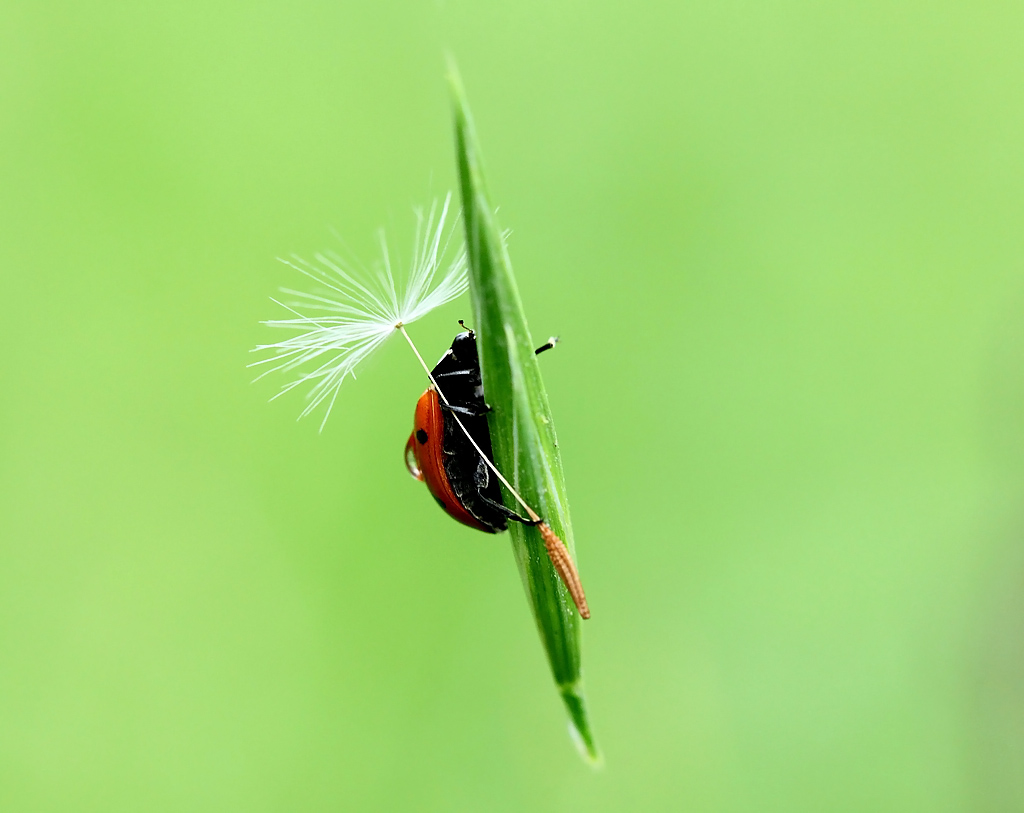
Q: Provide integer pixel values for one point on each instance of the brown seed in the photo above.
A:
(565, 567)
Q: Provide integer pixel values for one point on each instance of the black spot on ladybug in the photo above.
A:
(441, 503)
(421, 436)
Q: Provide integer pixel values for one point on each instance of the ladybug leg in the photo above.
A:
(481, 479)
(508, 513)
(455, 373)
(470, 412)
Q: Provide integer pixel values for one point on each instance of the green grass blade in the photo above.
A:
(522, 432)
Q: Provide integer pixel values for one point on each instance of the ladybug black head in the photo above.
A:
(464, 347)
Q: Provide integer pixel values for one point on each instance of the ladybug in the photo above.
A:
(438, 451)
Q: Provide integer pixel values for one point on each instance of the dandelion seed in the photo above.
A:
(342, 325)
(355, 312)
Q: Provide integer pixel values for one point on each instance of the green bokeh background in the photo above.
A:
(782, 243)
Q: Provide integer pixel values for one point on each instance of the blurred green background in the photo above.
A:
(782, 243)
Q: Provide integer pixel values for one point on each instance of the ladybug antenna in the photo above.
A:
(557, 552)
(464, 328)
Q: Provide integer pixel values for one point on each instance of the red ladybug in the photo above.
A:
(440, 454)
